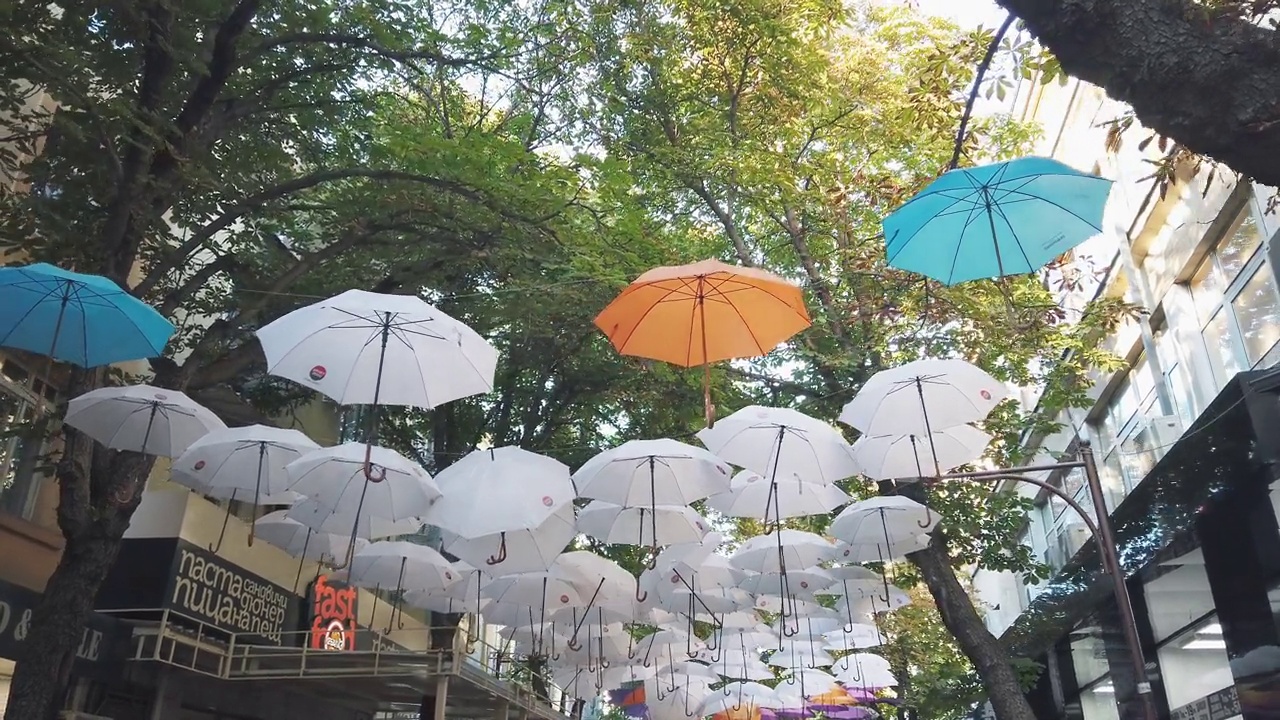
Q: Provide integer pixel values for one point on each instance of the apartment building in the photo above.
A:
(1187, 434)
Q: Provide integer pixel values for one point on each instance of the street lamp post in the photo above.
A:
(1100, 526)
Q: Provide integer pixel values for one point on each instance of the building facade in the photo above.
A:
(1186, 435)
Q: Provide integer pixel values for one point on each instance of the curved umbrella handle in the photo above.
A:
(501, 555)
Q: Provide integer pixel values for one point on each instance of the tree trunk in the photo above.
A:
(1208, 81)
(57, 624)
(962, 620)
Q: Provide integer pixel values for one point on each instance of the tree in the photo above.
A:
(235, 162)
(780, 136)
(1200, 72)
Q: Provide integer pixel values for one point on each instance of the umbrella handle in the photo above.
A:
(641, 595)
(214, 548)
(500, 556)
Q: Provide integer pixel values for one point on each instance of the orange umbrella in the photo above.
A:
(691, 315)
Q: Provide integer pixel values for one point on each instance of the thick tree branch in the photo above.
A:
(1209, 82)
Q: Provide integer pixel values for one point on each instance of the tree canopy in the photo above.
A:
(516, 164)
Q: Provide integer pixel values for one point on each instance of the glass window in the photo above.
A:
(1207, 287)
(1221, 347)
(1194, 664)
(1257, 310)
(20, 456)
(1099, 702)
(1179, 596)
(1088, 653)
(1239, 245)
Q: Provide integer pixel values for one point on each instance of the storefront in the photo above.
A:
(1200, 541)
(98, 658)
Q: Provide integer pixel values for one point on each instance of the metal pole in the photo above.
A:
(1111, 560)
(1107, 552)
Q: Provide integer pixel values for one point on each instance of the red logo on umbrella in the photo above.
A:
(564, 599)
(986, 394)
(161, 396)
(317, 373)
(546, 500)
(199, 464)
(675, 579)
(448, 575)
(846, 553)
(804, 584)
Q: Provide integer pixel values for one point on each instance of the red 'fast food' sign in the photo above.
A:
(333, 615)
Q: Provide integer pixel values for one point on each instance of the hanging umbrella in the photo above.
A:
(363, 348)
(780, 443)
(301, 541)
(87, 320)
(245, 461)
(142, 418)
(515, 551)
(800, 550)
(887, 457)
(739, 696)
(865, 670)
(325, 518)
(888, 519)
(398, 565)
(994, 220)
(691, 315)
(752, 496)
(663, 525)
(499, 490)
(923, 396)
(336, 476)
(879, 551)
(801, 583)
(645, 473)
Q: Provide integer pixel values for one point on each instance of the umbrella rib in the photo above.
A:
(640, 321)
(907, 241)
(960, 241)
(1029, 196)
(25, 315)
(1017, 242)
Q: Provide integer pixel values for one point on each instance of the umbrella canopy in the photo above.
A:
(781, 442)
(400, 565)
(644, 473)
(363, 348)
(885, 519)
(325, 518)
(142, 418)
(799, 550)
(708, 311)
(87, 320)
(752, 496)
(662, 525)
(885, 457)
(336, 477)
(878, 551)
(992, 220)
(599, 580)
(739, 696)
(921, 397)
(301, 541)
(248, 461)
(516, 551)
(500, 490)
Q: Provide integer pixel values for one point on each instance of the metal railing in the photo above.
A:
(171, 637)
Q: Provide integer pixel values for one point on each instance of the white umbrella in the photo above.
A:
(245, 461)
(391, 486)
(740, 696)
(645, 473)
(801, 583)
(752, 496)
(500, 490)
(664, 525)
(516, 551)
(301, 541)
(602, 581)
(801, 655)
(865, 670)
(796, 548)
(879, 552)
(400, 565)
(886, 457)
(363, 348)
(780, 442)
(888, 519)
(923, 396)
(141, 418)
(325, 518)
(537, 591)
(852, 637)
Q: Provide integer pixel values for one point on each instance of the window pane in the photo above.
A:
(1138, 456)
(1194, 665)
(18, 457)
(1257, 309)
(1099, 702)
(1207, 286)
(1142, 380)
(1239, 245)
(1180, 596)
(1088, 654)
(1222, 350)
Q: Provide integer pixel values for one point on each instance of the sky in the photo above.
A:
(966, 13)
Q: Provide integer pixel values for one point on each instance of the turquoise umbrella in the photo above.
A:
(88, 320)
(993, 220)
